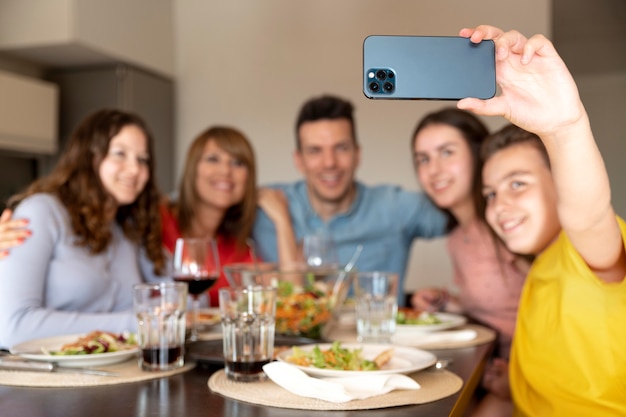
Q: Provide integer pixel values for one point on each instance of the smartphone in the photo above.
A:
(428, 68)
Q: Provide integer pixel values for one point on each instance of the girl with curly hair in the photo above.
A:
(95, 232)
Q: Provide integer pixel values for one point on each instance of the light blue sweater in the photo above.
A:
(49, 286)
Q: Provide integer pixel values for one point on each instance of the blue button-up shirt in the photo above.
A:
(384, 219)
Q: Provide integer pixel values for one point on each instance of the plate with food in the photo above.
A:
(350, 359)
(409, 320)
(207, 317)
(94, 349)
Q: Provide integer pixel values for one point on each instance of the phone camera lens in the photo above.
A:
(390, 75)
(381, 74)
(374, 86)
(388, 87)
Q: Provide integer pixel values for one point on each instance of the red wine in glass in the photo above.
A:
(196, 262)
(197, 283)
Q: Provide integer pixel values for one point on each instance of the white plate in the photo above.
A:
(30, 349)
(448, 321)
(405, 360)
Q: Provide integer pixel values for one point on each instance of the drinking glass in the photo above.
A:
(376, 306)
(196, 263)
(248, 322)
(319, 251)
(160, 310)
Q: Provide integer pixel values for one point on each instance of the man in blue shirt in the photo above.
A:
(384, 219)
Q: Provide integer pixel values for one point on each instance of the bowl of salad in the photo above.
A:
(309, 301)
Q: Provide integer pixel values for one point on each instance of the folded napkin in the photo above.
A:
(422, 338)
(335, 390)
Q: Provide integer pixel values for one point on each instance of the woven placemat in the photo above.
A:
(435, 384)
(127, 371)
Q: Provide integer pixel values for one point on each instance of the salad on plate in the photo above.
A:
(96, 342)
(338, 357)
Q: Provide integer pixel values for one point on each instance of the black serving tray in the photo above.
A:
(211, 351)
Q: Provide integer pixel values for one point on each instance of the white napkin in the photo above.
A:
(335, 390)
(423, 338)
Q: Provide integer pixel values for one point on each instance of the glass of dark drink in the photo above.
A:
(160, 309)
(196, 263)
(248, 320)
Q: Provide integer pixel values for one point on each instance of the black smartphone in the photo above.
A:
(428, 68)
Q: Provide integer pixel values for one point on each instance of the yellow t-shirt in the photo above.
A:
(569, 349)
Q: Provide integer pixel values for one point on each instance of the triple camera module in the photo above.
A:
(381, 81)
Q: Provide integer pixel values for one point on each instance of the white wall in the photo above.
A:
(252, 63)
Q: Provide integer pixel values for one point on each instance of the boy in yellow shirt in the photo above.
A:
(548, 195)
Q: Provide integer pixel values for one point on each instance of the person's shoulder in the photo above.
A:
(387, 191)
(40, 201)
(283, 185)
(44, 212)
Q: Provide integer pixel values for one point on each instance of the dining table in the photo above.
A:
(188, 394)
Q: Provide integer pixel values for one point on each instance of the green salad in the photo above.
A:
(422, 318)
(336, 357)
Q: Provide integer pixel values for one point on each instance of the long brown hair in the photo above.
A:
(474, 133)
(76, 182)
(239, 219)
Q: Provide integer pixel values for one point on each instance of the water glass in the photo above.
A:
(247, 274)
(376, 306)
(319, 251)
(248, 317)
(160, 310)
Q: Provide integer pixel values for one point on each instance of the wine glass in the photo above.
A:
(196, 263)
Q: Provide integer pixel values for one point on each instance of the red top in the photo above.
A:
(226, 248)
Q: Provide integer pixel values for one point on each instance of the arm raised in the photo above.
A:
(539, 94)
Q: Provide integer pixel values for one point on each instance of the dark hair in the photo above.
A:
(325, 107)
(508, 136)
(474, 132)
(76, 182)
(239, 219)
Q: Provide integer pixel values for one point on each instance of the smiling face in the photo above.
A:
(328, 158)
(220, 178)
(445, 167)
(521, 198)
(124, 170)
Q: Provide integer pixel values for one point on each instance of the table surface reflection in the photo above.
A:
(188, 395)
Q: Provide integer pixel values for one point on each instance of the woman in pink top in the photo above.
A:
(489, 279)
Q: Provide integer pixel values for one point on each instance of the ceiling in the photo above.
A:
(590, 35)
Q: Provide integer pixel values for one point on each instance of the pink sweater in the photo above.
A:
(489, 283)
